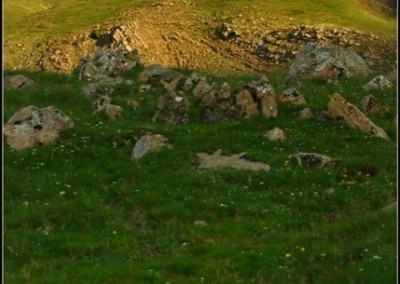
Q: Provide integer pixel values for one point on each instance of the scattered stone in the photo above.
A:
(154, 70)
(340, 109)
(305, 114)
(275, 134)
(202, 88)
(292, 96)
(101, 103)
(378, 83)
(330, 191)
(105, 65)
(322, 63)
(18, 81)
(32, 126)
(171, 82)
(150, 143)
(225, 32)
(216, 160)
(113, 111)
(172, 109)
(315, 160)
(370, 104)
(200, 223)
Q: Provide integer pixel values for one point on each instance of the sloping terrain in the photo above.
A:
(182, 33)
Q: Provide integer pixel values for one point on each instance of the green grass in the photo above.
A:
(124, 221)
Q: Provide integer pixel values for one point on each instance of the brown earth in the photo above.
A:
(171, 34)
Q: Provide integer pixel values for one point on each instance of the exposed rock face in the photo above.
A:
(149, 143)
(18, 81)
(315, 160)
(275, 134)
(378, 83)
(326, 63)
(32, 126)
(370, 104)
(172, 109)
(291, 96)
(340, 109)
(216, 160)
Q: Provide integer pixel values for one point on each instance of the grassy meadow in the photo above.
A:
(82, 211)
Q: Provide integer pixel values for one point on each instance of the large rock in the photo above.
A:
(149, 143)
(370, 104)
(106, 64)
(172, 109)
(315, 160)
(326, 63)
(340, 109)
(18, 81)
(291, 96)
(32, 126)
(245, 103)
(216, 160)
(219, 105)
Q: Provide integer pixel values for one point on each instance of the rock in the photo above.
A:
(100, 104)
(149, 143)
(216, 160)
(18, 81)
(275, 134)
(153, 71)
(245, 104)
(113, 111)
(32, 126)
(378, 83)
(305, 113)
(291, 96)
(202, 88)
(340, 109)
(200, 223)
(322, 63)
(370, 104)
(172, 109)
(219, 105)
(170, 83)
(225, 32)
(314, 160)
(265, 96)
(105, 65)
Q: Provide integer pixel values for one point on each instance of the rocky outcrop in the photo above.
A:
(18, 81)
(326, 63)
(33, 126)
(149, 143)
(342, 110)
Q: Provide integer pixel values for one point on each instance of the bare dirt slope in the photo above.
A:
(174, 34)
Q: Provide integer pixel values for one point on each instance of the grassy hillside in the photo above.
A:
(82, 211)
